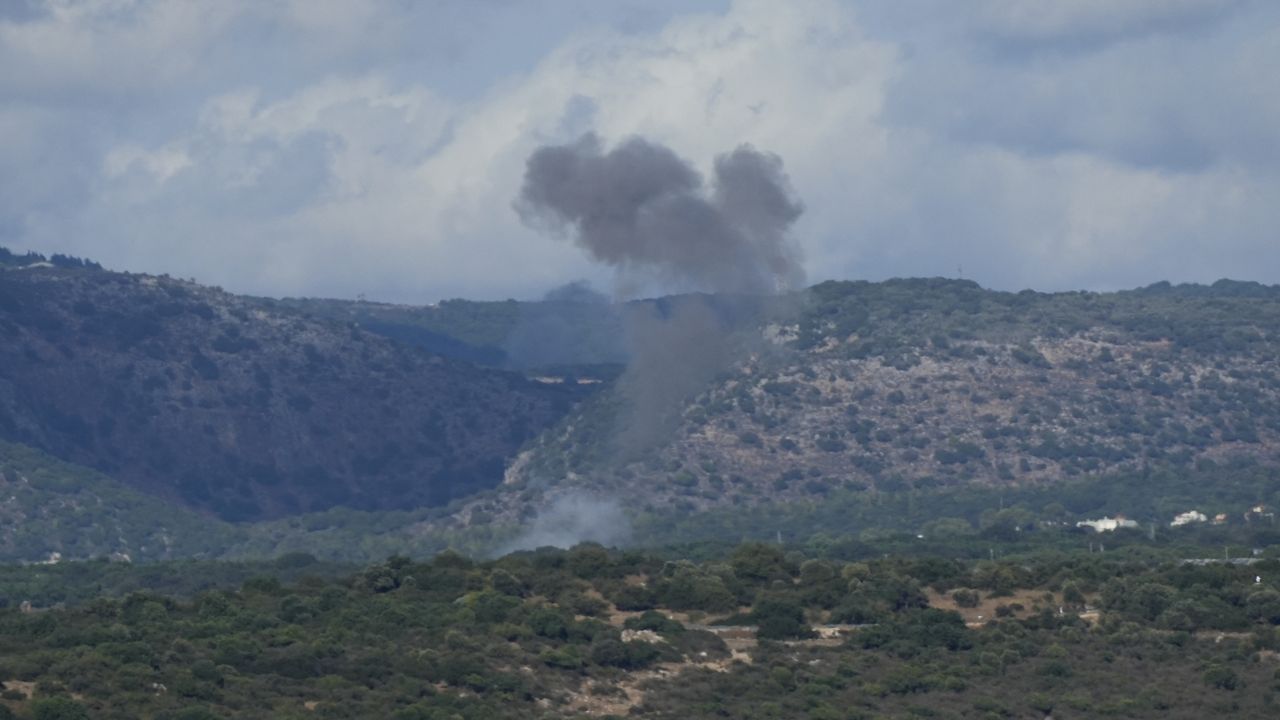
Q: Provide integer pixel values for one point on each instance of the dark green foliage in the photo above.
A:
(1222, 678)
(780, 618)
(626, 655)
(247, 409)
(58, 708)
(438, 639)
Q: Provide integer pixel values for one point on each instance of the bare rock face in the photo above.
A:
(245, 409)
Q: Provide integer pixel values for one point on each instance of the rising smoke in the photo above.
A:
(642, 210)
(572, 518)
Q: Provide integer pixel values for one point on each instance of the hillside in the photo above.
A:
(927, 384)
(213, 400)
(570, 327)
(332, 417)
(48, 507)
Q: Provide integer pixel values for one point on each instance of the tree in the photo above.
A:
(1071, 594)
(1221, 677)
(1264, 605)
(779, 617)
(760, 562)
(58, 708)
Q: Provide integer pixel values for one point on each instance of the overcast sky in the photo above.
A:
(327, 147)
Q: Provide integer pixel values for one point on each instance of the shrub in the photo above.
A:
(779, 618)
(1223, 678)
(58, 708)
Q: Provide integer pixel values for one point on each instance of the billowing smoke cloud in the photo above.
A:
(646, 212)
(572, 518)
(642, 209)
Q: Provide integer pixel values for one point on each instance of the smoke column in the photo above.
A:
(572, 518)
(644, 211)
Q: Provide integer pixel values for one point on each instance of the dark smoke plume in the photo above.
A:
(646, 212)
(642, 209)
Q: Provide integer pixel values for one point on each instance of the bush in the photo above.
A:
(625, 655)
(58, 708)
(779, 618)
(1223, 678)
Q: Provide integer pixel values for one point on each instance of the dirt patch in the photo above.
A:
(648, 636)
(1030, 600)
(738, 638)
(26, 688)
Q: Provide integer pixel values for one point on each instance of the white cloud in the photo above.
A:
(102, 47)
(915, 148)
(1075, 18)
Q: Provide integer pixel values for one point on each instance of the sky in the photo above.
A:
(353, 148)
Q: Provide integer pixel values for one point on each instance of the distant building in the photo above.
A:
(1259, 512)
(1108, 524)
(1188, 517)
(1220, 519)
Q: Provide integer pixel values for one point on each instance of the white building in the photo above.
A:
(1188, 517)
(1108, 524)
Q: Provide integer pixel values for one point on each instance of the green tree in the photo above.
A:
(1264, 606)
(780, 617)
(58, 708)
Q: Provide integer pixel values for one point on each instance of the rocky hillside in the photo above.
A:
(244, 410)
(52, 511)
(932, 383)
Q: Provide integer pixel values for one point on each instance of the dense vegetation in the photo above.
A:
(210, 400)
(589, 632)
(571, 330)
(55, 507)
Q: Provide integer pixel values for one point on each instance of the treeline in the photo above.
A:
(905, 317)
(12, 259)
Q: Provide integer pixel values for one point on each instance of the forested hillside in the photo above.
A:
(570, 327)
(211, 400)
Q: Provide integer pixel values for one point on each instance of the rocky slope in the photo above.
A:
(925, 384)
(244, 410)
